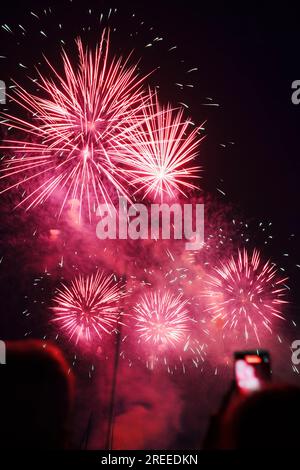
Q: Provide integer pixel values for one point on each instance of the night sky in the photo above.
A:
(247, 64)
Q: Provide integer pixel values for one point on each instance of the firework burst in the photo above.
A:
(245, 293)
(161, 152)
(71, 138)
(161, 319)
(89, 307)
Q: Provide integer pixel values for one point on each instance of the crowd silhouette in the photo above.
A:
(37, 396)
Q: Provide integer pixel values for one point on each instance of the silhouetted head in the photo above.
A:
(264, 420)
(35, 396)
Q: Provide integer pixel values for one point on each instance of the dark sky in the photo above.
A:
(247, 63)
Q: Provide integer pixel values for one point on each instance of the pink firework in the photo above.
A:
(161, 319)
(162, 151)
(70, 140)
(89, 307)
(245, 294)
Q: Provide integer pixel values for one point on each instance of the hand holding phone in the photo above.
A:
(252, 370)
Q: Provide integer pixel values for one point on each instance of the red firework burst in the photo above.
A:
(162, 148)
(245, 293)
(75, 128)
(162, 319)
(89, 307)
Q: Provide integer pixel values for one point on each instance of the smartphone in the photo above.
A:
(252, 370)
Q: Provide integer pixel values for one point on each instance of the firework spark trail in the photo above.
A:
(74, 129)
(245, 291)
(89, 306)
(162, 148)
(162, 318)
